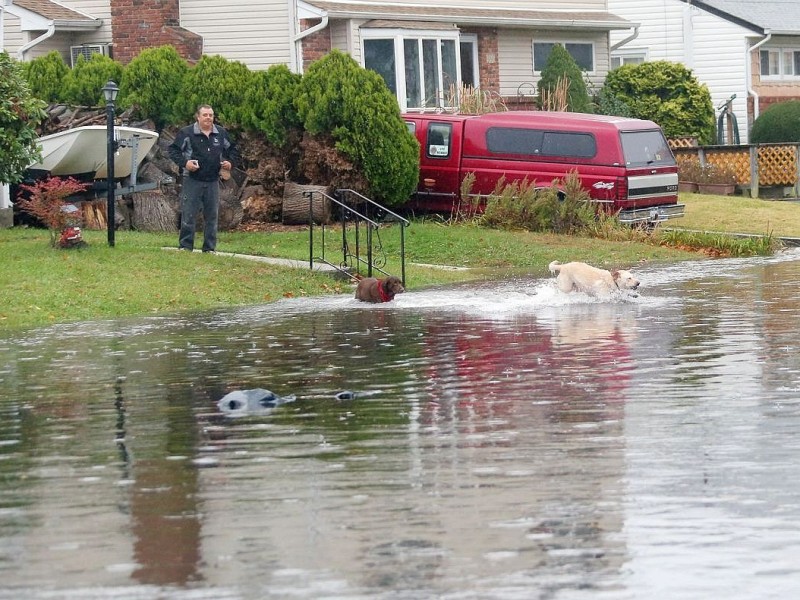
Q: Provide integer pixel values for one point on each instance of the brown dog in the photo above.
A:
(370, 289)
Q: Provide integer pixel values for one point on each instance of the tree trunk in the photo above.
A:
(296, 205)
(152, 212)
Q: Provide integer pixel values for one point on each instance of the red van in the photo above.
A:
(623, 163)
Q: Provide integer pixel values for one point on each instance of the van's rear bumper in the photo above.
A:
(651, 214)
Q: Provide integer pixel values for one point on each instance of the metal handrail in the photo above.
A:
(358, 218)
(403, 222)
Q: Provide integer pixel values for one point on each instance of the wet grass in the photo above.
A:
(42, 285)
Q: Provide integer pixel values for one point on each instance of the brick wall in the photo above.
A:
(316, 45)
(487, 57)
(140, 24)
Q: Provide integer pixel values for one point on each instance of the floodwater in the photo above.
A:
(496, 441)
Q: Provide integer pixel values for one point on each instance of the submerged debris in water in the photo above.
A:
(251, 402)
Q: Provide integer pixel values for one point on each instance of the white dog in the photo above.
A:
(580, 277)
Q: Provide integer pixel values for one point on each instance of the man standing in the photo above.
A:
(201, 150)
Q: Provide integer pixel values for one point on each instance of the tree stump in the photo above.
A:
(152, 211)
(93, 214)
(296, 205)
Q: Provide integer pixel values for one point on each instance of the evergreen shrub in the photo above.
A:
(218, 82)
(666, 93)
(83, 84)
(269, 103)
(45, 75)
(778, 123)
(561, 71)
(151, 83)
(338, 97)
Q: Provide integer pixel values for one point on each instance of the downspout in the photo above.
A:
(293, 22)
(630, 38)
(51, 29)
(297, 59)
(749, 70)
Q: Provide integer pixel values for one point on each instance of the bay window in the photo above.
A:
(424, 69)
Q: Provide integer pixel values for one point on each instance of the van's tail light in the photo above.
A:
(622, 188)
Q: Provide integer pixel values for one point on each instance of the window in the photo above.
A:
(646, 149)
(582, 52)
(628, 57)
(438, 142)
(423, 69)
(380, 55)
(469, 60)
(537, 142)
(780, 63)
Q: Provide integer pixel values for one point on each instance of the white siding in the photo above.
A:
(720, 51)
(12, 36)
(252, 32)
(713, 48)
(557, 5)
(515, 57)
(661, 31)
(14, 39)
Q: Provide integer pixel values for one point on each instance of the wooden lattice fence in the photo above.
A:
(755, 165)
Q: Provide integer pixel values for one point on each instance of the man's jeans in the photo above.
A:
(197, 195)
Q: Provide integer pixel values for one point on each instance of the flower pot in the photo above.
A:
(687, 186)
(719, 189)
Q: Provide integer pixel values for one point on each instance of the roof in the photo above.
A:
(57, 14)
(780, 17)
(549, 19)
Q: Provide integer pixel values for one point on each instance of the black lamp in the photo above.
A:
(110, 91)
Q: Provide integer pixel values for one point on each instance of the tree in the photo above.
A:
(218, 82)
(47, 201)
(83, 85)
(562, 79)
(20, 113)
(269, 103)
(338, 97)
(667, 93)
(45, 75)
(151, 83)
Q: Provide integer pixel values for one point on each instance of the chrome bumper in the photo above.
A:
(651, 214)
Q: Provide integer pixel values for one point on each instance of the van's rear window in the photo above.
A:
(646, 148)
(538, 142)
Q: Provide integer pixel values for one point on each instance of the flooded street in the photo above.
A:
(489, 441)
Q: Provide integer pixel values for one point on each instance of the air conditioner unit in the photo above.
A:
(86, 51)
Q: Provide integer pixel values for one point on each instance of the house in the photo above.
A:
(742, 50)
(420, 48)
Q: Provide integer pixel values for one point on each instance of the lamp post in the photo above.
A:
(110, 91)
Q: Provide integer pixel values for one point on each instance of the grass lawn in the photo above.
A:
(736, 214)
(41, 285)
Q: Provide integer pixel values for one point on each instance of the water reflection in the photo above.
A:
(501, 441)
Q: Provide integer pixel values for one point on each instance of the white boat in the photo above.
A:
(83, 150)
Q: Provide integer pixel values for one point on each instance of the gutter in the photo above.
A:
(749, 64)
